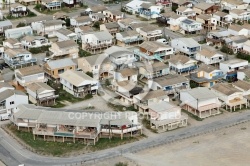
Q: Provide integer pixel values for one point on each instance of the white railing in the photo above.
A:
(119, 131)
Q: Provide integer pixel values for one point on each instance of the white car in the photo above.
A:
(46, 59)
(164, 41)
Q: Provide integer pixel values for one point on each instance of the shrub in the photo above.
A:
(67, 22)
(89, 74)
(227, 50)
(244, 56)
(107, 82)
(174, 8)
(97, 24)
(38, 50)
(21, 24)
(83, 53)
(121, 164)
(31, 14)
(216, 47)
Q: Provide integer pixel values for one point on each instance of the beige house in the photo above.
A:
(68, 48)
(41, 94)
(54, 68)
(111, 27)
(231, 96)
(100, 65)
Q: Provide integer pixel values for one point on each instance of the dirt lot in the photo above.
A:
(227, 147)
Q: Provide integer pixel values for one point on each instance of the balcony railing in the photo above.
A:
(147, 56)
(194, 77)
(13, 63)
(119, 131)
(48, 98)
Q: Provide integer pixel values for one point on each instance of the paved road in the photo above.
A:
(8, 145)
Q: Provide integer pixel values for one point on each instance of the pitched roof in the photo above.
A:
(86, 29)
(146, 5)
(64, 31)
(75, 77)
(149, 28)
(31, 70)
(112, 25)
(66, 44)
(5, 84)
(12, 52)
(242, 85)
(239, 39)
(128, 72)
(115, 12)
(203, 5)
(11, 41)
(245, 71)
(225, 88)
(8, 93)
(181, 9)
(204, 16)
(29, 20)
(31, 38)
(39, 87)
(236, 27)
(206, 68)
(159, 66)
(170, 80)
(162, 106)
(95, 59)
(151, 95)
(207, 52)
(188, 41)
(103, 35)
(98, 8)
(60, 63)
(83, 19)
(179, 59)
(201, 93)
(53, 22)
(117, 51)
(237, 11)
(220, 13)
(131, 33)
(5, 23)
(152, 46)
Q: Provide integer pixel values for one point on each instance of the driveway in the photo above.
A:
(31, 8)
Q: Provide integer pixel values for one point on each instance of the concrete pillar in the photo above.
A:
(240, 106)
(63, 139)
(44, 137)
(34, 136)
(54, 138)
(210, 112)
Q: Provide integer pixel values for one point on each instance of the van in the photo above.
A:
(164, 41)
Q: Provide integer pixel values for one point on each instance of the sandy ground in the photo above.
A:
(227, 147)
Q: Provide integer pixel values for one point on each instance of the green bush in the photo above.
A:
(67, 22)
(121, 164)
(83, 53)
(174, 8)
(21, 24)
(227, 50)
(38, 50)
(244, 56)
(31, 14)
(89, 74)
(97, 25)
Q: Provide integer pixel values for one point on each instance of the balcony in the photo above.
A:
(150, 57)
(133, 40)
(48, 98)
(120, 131)
(14, 63)
(194, 77)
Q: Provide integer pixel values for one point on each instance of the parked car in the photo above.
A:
(46, 59)
(164, 41)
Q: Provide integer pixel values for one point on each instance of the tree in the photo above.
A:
(67, 22)
(97, 24)
(227, 50)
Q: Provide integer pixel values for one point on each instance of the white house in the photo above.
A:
(150, 32)
(185, 11)
(9, 100)
(5, 25)
(209, 57)
(236, 42)
(62, 49)
(188, 26)
(172, 84)
(65, 34)
(151, 69)
(230, 67)
(17, 57)
(18, 10)
(28, 75)
(12, 43)
(120, 57)
(223, 19)
(127, 74)
(78, 83)
(48, 27)
(240, 14)
(128, 38)
(134, 6)
(166, 115)
(78, 21)
(200, 101)
(233, 4)
(97, 40)
(246, 47)
(231, 96)
(182, 63)
(34, 41)
(18, 32)
(186, 45)
(243, 74)
(174, 21)
(150, 11)
(41, 94)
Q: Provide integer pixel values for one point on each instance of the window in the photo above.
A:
(96, 66)
(12, 102)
